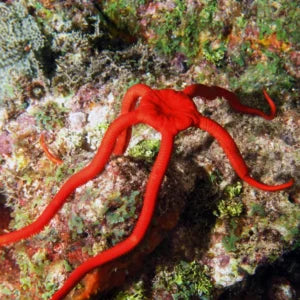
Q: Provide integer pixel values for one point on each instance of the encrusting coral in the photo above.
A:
(169, 112)
(20, 38)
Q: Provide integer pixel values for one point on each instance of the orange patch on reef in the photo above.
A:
(49, 4)
(91, 285)
(271, 42)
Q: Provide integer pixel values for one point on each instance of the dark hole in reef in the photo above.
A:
(84, 234)
(293, 197)
(47, 58)
(4, 215)
(201, 202)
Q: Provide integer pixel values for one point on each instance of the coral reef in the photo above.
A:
(20, 42)
(64, 68)
(19, 34)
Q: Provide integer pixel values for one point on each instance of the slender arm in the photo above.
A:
(90, 171)
(51, 156)
(210, 93)
(200, 90)
(231, 150)
(152, 189)
(128, 104)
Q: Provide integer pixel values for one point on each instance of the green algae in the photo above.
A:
(136, 292)
(146, 149)
(232, 206)
(186, 280)
(51, 116)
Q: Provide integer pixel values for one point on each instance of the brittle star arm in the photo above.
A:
(128, 104)
(150, 197)
(90, 171)
(212, 92)
(231, 150)
(51, 156)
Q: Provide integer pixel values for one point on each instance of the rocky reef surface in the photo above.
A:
(64, 68)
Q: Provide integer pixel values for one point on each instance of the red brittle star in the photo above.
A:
(168, 112)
